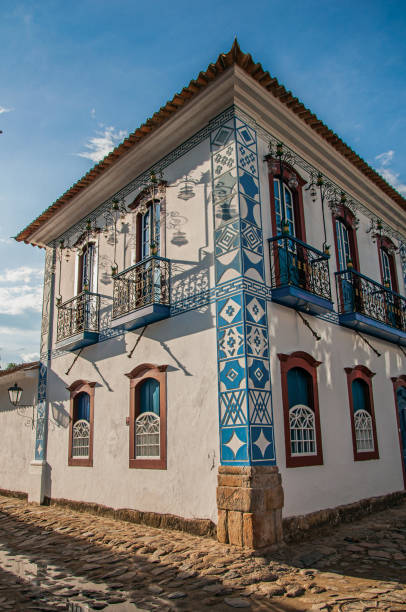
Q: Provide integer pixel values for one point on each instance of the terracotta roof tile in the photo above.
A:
(223, 62)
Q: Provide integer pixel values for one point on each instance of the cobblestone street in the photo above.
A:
(53, 558)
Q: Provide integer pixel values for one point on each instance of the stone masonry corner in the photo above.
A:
(249, 502)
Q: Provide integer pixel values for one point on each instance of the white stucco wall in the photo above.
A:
(340, 479)
(185, 342)
(16, 433)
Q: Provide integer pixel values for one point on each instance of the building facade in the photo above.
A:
(224, 317)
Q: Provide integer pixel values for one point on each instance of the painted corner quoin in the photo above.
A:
(245, 406)
(45, 349)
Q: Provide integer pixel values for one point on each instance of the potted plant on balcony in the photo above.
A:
(154, 248)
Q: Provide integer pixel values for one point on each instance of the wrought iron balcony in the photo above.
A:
(78, 321)
(141, 293)
(368, 306)
(300, 275)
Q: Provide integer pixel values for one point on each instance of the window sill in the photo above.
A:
(292, 462)
(366, 456)
(72, 461)
(148, 464)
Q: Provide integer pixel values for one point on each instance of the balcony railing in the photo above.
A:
(299, 266)
(145, 284)
(78, 316)
(359, 294)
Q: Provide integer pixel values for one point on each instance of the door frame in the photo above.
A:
(399, 381)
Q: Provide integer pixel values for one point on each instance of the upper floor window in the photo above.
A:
(345, 235)
(387, 263)
(365, 444)
(147, 419)
(81, 423)
(301, 409)
(86, 268)
(287, 201)
(148, 230)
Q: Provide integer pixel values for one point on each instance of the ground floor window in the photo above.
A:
(81, 423)
(301, 409)
(147, 418)
(362, 415)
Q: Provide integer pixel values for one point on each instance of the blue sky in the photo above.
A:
(77, 76)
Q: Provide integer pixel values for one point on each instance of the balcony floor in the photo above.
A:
(78, 341)
(141, 316)
(300, 299)
(358, 321)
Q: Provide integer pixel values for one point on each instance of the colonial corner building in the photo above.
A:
(224, 321)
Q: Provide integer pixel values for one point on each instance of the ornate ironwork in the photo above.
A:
(145, 283)
(77, 315)
(358, 293)
(296, 263)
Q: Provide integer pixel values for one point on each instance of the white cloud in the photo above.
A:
(24, 273)
(27, 357)
(100, 145)
(385, 158)
(17, 300)
(20, 290)
(3, 109)
(383, 161)
(93, 113)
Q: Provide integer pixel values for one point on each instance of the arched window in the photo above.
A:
(301, 409)
(81, 423)
(147, 423)
(284, 207)
(345, 236)
(365, 445)
(148, 230)
(147, 418)
(86, 268)
(387, 263)
(286, 200)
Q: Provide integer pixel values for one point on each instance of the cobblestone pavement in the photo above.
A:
(54, 558)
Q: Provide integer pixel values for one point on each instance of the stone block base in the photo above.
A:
(39, 476)
(249, 502)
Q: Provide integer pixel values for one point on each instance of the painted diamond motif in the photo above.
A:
(222, 136)
(230, 310)
(257, 341)
(227, 238)
(262, 443)
(233, 408)
(230, 342)
(255, 310)
(234, 444)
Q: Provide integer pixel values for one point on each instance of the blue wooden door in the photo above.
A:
(401, 402)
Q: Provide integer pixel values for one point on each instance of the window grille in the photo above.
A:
(80, 438)
(302, 431)
(147, 442)
(363, 431)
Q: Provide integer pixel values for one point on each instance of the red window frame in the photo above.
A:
(81, 386)
(344, 215)
(297, 193)
(137, 376)
(299, 359)
(365, 374)
(385, 244)
(399, 381)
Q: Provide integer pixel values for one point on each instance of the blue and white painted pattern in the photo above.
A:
(245, 411)
(41, 433)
